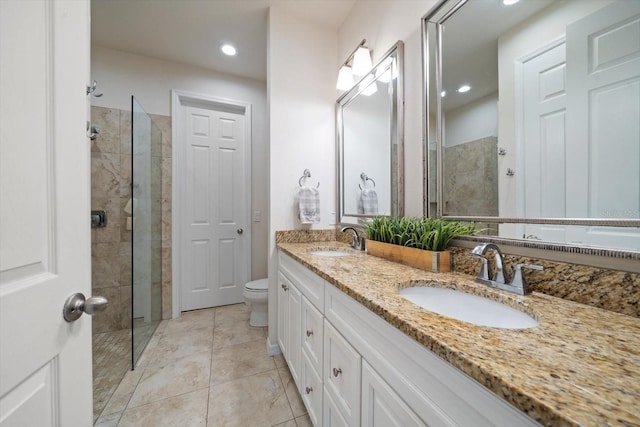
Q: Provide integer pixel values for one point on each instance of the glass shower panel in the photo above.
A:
(146, 221)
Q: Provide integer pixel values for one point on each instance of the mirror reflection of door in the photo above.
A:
(581, 93)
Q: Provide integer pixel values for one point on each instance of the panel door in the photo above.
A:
(331, 416)
(283, 314)
(603, 73)
(342, 374)
(45, 245)
(215, 250)
(381, 406)
(544, 141)
(295, 333)
(311, 390)
(312, 334)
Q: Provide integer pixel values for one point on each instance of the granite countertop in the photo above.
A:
(580, 366)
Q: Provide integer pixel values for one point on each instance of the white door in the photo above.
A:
(215, 240)
(603, 73)
(543, 143)
(45, 252)
(575, 134)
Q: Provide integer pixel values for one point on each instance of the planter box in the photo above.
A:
(437, 262)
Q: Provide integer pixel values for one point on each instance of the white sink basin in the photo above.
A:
(329, 252)
(468, 308)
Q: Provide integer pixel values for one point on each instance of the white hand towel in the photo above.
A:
(309, 205)
(369, 199)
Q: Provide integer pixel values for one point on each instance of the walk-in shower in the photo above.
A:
(126, 183)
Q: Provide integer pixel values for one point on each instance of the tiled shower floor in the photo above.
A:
(207, 368)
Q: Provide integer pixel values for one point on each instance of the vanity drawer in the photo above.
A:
(310, 284)
(342, 374)
(311, 391)
(312, 334)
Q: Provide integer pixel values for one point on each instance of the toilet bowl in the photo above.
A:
(255, 295)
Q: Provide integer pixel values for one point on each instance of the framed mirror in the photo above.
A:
(532, 118)
(370, 138)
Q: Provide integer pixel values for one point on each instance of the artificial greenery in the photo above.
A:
(422, 233)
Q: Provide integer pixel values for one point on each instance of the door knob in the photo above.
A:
(77, 304)
(240, 231)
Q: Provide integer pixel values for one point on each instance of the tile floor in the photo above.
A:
(112, 360)
(207, 368)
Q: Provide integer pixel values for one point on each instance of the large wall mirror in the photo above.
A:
(533, 118)
(369, 127)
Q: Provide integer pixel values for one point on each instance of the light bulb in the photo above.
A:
(345, 78)
(227, 49)
(361, 62)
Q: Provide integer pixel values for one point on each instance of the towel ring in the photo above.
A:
(306, 174)
(365, 178)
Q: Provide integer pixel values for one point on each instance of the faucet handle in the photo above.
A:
(518, 279)
(531, 266)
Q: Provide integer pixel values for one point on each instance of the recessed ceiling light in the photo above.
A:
(443, 93)
(509, 2)
(227, 49)
(464, 88)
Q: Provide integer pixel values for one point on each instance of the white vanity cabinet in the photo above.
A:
(381, 405)
(342, 370)
(353, 368)
(289, 312)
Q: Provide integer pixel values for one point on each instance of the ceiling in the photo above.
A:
(192, 31)
(471, 46)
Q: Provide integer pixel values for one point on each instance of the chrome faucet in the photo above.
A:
(357, 242)
(499, 279)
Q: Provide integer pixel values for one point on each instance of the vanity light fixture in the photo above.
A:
(509, 2)
(384, 71)
(228, 49)
(345, 78)
(368, 85)
(358, 64)
(464, 88)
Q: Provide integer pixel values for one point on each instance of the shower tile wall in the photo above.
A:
(110, 191)
(471, 183)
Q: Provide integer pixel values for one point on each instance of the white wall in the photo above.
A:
(120, 75)
(383, 23)
(475, 120)
(534, 33)
(366, 149)
(301, 75)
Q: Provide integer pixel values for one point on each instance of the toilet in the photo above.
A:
(255, 296)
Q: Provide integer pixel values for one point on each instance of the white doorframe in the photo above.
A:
(180, 99)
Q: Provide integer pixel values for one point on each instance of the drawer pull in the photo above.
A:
(309, 333)
(337, 371)
(308, 389)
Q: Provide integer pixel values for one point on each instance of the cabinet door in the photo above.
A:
(381, 406)
(295, 334)
(311, 390)
(331, 416)
(283, 313)
(312, 334)
(342, 373)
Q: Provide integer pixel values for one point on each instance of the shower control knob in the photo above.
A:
(77, 304)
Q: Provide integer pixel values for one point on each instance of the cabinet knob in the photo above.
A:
(285, 287)
(308, 389)
(336, 372)
(309, 333)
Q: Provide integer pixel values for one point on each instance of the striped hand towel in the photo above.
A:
(369, 199)
(309, 205)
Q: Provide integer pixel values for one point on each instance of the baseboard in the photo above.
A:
(273, 349)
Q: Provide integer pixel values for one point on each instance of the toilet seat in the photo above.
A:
(261, 285)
